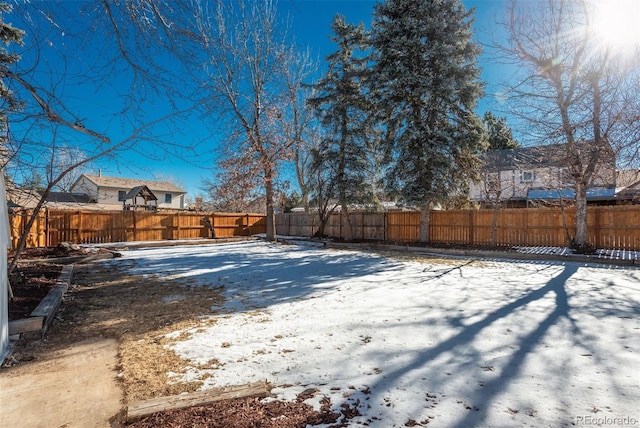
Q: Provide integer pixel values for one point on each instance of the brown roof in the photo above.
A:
(130, 183)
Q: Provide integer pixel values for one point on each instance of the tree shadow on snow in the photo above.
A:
(257, 275)
(460, 344)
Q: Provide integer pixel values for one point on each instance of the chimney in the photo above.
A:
(99, 173)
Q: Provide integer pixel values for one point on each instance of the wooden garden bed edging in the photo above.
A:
(74, 259)
(48, 306)
(25, 325)
(43, 314)
(144, 408)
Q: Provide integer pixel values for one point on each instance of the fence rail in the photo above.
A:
(615, 227)
(91, 227)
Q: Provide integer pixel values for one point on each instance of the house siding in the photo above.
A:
(5, 243)
(547, 175)
(87, 187)
(109, 195)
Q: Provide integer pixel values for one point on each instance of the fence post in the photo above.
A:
(471, 228)
(598, 231)
(213, 224)
(79, 231)
(385, 225)
(176, 222)
(40, 238)
(135, 226)
(47, 238)
(526, 228)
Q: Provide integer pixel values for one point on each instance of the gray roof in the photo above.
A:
(69, 197)
(551, 155)
(130, 183)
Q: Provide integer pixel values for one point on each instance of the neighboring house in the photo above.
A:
(628, 186)
(538, 175)
(21, 198)
(123, 192)
(18, 199)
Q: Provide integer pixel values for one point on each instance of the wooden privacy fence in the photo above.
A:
(615, 227)
(92, 227)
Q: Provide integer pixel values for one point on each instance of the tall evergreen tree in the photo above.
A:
(343, 107)
(8, 34)
(500, 136)
(427, 86)
(8, 100)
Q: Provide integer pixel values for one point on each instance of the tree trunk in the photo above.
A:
(496, 210)
(580, 238)
(424, 222)
(348, 231)
(269, 196)
(323, 222)
(494, 222)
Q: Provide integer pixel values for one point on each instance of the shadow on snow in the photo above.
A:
(459, 345)
(257, 275)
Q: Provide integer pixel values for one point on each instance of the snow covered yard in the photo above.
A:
(417, 341)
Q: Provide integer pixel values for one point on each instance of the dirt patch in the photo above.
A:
(36, 274)
(62, 250)
(106, 301)
(30, 283)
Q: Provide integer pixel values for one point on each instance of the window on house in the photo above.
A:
(526, 176)
(167, 198)
(121, 195)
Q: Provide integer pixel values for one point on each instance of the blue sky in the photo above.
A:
(310, 22)
(312, 27)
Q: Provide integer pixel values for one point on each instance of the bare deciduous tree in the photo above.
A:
(571, 90)
(299, 126)
(247, 56)
(323, 188)
(71, 112)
